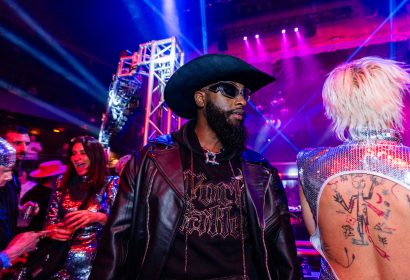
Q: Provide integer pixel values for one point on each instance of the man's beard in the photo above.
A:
(231, 136)
(20, 156)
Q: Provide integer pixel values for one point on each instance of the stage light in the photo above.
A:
(245, 38)
(296, 29)
(292, 172)
(35, 131)
(283, 31)
(257, 36)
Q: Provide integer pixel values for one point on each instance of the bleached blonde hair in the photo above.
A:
(367, 93)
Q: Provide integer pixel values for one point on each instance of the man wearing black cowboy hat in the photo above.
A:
(197, 204)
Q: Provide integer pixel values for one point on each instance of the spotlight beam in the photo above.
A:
(171, 15)
(350, 58)
(54, 44)
(203, 25)
(278, 133)
(177, 32)
(377, 29)
(49, 63)
(392, 45)
(55, 111)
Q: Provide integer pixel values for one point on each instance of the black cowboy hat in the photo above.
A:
(206, 70)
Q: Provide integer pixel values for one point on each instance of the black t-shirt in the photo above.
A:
(211, 239)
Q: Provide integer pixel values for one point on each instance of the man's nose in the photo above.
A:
(240, 100)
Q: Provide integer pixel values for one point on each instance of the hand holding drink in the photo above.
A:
(26, 214)
(59, 232)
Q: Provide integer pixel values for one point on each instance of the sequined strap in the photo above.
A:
(383, 134)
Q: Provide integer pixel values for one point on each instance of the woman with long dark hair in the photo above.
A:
(84, 185)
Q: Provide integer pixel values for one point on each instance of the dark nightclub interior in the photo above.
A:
(59, 61)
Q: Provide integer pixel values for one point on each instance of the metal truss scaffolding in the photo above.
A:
(123, 99)
(156, 60)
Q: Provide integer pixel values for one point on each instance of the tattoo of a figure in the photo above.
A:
(360, 202)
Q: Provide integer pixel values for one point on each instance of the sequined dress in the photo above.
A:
(376, 152)
(85, 240)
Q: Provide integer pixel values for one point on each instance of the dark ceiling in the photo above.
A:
(93, 33)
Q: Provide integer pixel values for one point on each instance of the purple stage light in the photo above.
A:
(283, 31)
(296, 29)
(257, 36)
(245, 38)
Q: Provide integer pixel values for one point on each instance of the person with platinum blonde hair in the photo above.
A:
(365, 93)
(355, 197)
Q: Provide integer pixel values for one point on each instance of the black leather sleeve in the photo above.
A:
(281, 247)
(113, 248)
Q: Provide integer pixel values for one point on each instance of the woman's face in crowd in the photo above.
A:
(80, 160)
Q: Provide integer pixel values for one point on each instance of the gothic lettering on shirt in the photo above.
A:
(212, 209)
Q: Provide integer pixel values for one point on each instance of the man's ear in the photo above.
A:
(199, 98)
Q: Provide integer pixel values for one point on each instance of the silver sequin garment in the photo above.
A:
(7, 154)
(85, 240)
(381, 152)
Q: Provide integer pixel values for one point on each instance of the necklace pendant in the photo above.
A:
(210, 158)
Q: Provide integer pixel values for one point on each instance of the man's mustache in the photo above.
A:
(236, 111)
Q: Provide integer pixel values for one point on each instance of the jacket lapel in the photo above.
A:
(169, 165)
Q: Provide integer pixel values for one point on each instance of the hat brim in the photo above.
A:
(206, 70)
(39, 174)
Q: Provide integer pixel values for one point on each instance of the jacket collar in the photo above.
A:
(169, 164)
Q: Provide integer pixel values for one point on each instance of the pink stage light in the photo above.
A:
(283, 31)
(257, 36)
(245, 38)
(296, 29)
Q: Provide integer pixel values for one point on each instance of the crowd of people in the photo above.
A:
(198, 204)
(72, 207)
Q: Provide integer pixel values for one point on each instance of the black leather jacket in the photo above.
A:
(150, 203)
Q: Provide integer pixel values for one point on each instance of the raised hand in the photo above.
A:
(22, 243)
(27, 204)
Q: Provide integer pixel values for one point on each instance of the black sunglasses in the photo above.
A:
(230, 90)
